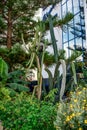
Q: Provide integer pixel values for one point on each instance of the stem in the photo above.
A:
(39, 75)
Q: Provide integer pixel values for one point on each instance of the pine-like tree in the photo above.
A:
(16, 19)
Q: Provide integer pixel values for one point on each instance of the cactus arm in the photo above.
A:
(74, 73)
(53, 37)
(50, 78)
(63, 79)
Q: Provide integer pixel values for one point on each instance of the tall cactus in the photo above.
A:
(53, 37)
(74, 73)
(50, 78)
(63, 79)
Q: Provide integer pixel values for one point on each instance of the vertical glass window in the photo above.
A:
(74, 34)
(65, 33)
(69, 6)
(63, 1)
(76, 6)
(71, 45)
(64, 10)
(66, 49)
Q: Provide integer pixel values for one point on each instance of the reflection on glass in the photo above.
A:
(64, 10)
(74, 34)
(69, 6)
(65, 37)
(71, 45)
(77, 18)
(71, 36)
(63, 1)
(66, 49)
(79, 41)
(76, 6)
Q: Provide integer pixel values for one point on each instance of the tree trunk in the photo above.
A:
(9, 30)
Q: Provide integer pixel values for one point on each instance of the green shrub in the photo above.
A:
(72, 115)
(4, 97)
(22, 113)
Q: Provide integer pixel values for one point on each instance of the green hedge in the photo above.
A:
(21, 113)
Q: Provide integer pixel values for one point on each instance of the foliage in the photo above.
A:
(14, 56)
(11, 80)
(68, 17)
(75, 54)
(72, 114)
(4, 96)
(3, 69)
(12, 27)
(48, 59)
(26, 114)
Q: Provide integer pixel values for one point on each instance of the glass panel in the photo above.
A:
(66, 50)
(63, 1)
(82, 2)
(65, 36)
(64, 10)
(69, 5)
(71, 36)
(76, 28)
(77, 18)
(71, 45)
(79, 42)
(76, 6)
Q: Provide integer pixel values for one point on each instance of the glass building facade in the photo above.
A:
(73, 34)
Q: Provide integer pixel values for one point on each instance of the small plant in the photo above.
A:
(72, 115)
(22, 113)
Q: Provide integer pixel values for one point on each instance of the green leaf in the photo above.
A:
(18, 87)
(3, 69)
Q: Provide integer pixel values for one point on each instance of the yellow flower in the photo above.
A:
(71, 125)
(67, 118)
(84, 100)
(83, 107)
(85, 121)
(71, 106)
(78, 114)
(73, 114)
(75, 100)
(71, 117)
(80, 128)
(78, 93)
